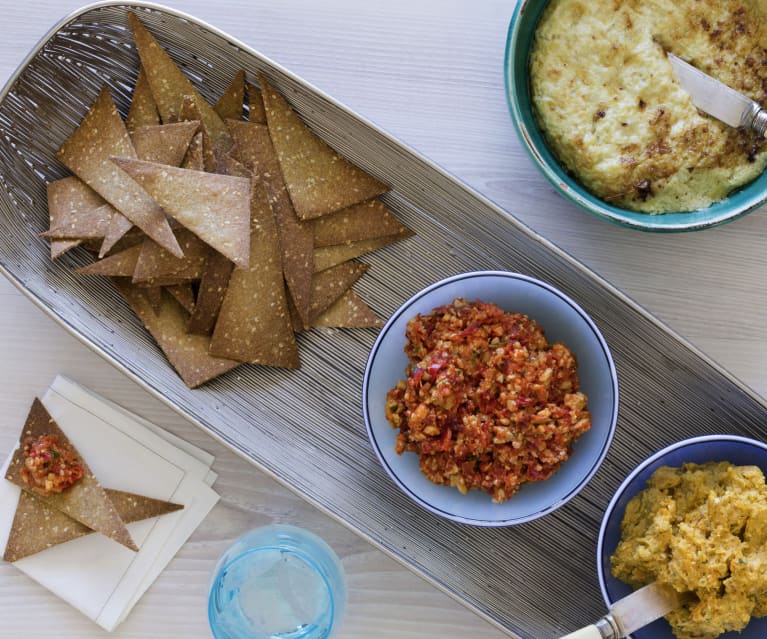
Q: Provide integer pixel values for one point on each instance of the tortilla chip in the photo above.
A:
(121, 264)
(169, 85)
(254, 324)
(143, 110)
(37, 527)
(362, 221)
(330, 284)
(184, 295)
(154, 261)
(210, 295)
(92, 223)
(69, 198)
(216, 208)
(327, 256)
(187, 353)
(231, 104)
(164, 143)
(85, 501)
(348, 311)
(256, 110)
(59, 247)
(86, 153)
(154, 297)
(193, 158)
(318, 179)
(253, 146)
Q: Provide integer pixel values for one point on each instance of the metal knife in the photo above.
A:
(717, 99)
(633, 612)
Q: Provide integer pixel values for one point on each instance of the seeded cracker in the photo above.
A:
(318, 179)
(348, 311)
(330, 284)
(187, 353)
(121, 264)
(216, 208)
(328, 256)
(164, 143)
(254, 323)
(364, 221)
(230, 105)
(69, 198)
(253, 147)
(256, 110)
(86, 153)
(143, 110)
(84, 501)
(184, 295)
(154, 261)
(37, 527)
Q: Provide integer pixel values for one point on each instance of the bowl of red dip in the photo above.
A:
(490, 398)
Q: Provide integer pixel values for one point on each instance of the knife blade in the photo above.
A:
(717, 99)
(633, 612)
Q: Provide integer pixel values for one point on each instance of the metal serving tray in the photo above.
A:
(305, 427)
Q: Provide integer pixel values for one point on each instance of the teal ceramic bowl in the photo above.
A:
(518, 46)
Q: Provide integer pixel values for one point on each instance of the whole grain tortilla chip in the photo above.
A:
(164, 143)
(169, 85)
(327, 256)
(92, 223)
(37, 527)
(187, 353)
(154, 261)
(362, 221)
(118, 228)
(184, 295)
(254, 324)
(318, 179)
(86, 153)
(67, 198)
(154, 297)
(253, 146)
(85, 501)
(143, 110)
(210, 295)
(330, 284)
(348, 311)
(256, 110)
(59, 247)
(193, 158)
(216, 208)
(121, 264)
(231, 104)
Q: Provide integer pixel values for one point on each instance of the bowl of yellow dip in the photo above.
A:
(693, 516)
(597, 105)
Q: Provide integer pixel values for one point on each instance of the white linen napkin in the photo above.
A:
(96, 575)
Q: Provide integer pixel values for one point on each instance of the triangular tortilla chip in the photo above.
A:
(84, 501)
(164, 143)
(92, 223)
(231, 104)
(119, 236)
(121, 264)
(328, 256)
(68, 197)
(256, 110)
(37, 527)
(215, 279)
(154, 261)
(184, 295)
(348, 311)
(362, 221)
(154, 297)
(169, 85)
(143, 110)
(253, 146)
(216, 208)
(318, 179)
(86, 153)
(254, 324)
(330, 284)
(187, 353)
(193, 158)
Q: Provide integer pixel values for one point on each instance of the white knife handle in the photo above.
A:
(589, 632)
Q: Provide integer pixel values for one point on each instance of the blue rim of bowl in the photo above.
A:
(740, 202)
(619, 493)
(613, 416)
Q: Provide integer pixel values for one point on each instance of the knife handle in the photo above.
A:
(589, 632)
(755, 118)
(605, 628)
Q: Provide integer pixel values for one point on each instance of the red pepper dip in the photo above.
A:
(50, 466)
(488, 403)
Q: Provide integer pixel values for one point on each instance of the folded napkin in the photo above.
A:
(93, 573)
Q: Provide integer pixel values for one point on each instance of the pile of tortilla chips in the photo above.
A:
(226, 235)
(43, 521)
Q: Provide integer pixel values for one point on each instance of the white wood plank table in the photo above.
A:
(431, 73)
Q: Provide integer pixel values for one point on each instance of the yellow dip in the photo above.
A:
(701, 529)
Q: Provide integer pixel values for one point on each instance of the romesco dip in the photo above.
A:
(488, 404)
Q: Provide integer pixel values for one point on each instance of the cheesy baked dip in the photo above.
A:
(701, 529)
(613, 112)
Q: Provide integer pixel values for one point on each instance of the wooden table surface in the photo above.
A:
(431, 73)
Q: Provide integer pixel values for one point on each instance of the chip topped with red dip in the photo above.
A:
(488, 403)
(50, 465)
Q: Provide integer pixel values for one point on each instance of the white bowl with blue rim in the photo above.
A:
(738, 450)
(562, 319)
